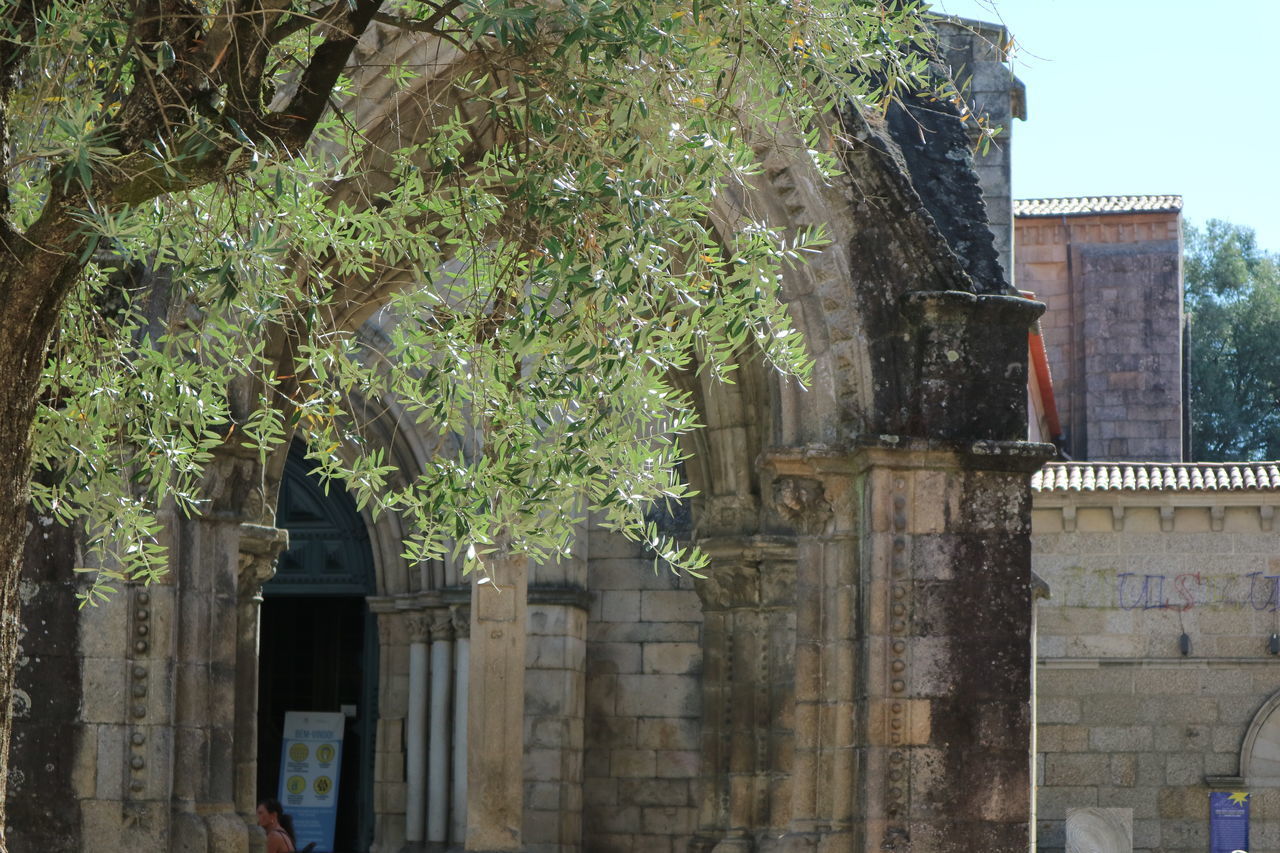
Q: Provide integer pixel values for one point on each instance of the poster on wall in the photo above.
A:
(309, 764)
(1228, 822)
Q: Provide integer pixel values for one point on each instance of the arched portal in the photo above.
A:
(319, 648)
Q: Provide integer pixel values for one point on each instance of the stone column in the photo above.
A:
(913, 645)
(495, 737)
(259, 547)
(438, 755)
(461, 695)
(820, 503)
(748, 701)
(415, 734)
(204, 813)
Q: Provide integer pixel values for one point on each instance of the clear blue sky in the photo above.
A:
(1147, 97)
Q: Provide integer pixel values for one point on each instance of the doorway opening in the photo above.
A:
(318, 647)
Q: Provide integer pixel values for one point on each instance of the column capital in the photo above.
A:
(418, 626)
(260, 545)
(440, 624)
(461, 616)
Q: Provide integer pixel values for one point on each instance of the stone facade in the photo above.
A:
(1158, 667)
(854, 674)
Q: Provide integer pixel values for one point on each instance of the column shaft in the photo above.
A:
(461, 695)
(416, 743)
(438, 757)
(495, 742)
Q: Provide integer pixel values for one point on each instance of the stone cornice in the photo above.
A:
(905, 452)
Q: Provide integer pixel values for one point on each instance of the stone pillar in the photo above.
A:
(748, 698)
(948, 663)
(555, 703)
(438, 755)
(913, 645)
(819, 502)
(461, 695)
(415, 734)
(205, 719)
(259, 547)
(390, 786)
(495, 737)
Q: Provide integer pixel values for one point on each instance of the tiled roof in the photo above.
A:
(1097, 204)
(1124, 476)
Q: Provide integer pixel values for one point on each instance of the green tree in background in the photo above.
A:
(1233, 298)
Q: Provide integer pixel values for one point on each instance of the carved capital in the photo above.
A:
(803, 502)
(461, 616)
(390, 628)
(440, 624)
(260, 545)
(747, 573)
(417, 626)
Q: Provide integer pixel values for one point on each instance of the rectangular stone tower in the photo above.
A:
(1110, 271)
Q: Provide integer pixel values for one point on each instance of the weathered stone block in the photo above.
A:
(632, 763)
(677, 763)
(669, 734)
(620, 606)
(670, 606)
(654, 792)
(1121, 738)
(1099, 830)
(1075, 769)
(658, 695)
(672, 658)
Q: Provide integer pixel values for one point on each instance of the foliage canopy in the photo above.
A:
(550, 196)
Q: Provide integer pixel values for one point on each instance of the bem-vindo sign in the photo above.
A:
(309, 763)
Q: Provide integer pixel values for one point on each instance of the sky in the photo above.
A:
(1148, 97)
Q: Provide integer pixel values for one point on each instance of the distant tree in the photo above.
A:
(1233, 298)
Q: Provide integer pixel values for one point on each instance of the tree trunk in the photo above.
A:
(33, 285)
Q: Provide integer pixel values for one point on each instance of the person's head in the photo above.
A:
(272, 815)
(269, 812)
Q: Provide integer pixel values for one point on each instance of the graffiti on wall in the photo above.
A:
(1187, 590)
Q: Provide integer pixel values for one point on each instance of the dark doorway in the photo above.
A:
(318, 644)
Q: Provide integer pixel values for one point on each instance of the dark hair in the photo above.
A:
(273, 806)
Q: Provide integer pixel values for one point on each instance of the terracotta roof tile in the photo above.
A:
(1139, 477)
(1089, 205)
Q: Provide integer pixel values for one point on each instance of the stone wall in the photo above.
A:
(1125, 718)
(1112, 285)
(643, 703)
(976, 53)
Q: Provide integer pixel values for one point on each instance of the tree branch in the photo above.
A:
(327, 63)
(299, 21)
(416, 26)
(19, 23)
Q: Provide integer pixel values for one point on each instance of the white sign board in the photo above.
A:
(309, 764)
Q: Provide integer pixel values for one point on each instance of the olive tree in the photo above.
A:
(199, 206)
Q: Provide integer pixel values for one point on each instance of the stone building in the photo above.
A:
(1109, 270)
(1158, 672)
(853, 675)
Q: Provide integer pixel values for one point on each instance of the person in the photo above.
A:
(278, 825)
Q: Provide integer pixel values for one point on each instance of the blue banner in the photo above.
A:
(309, 763)
(1228, 822)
